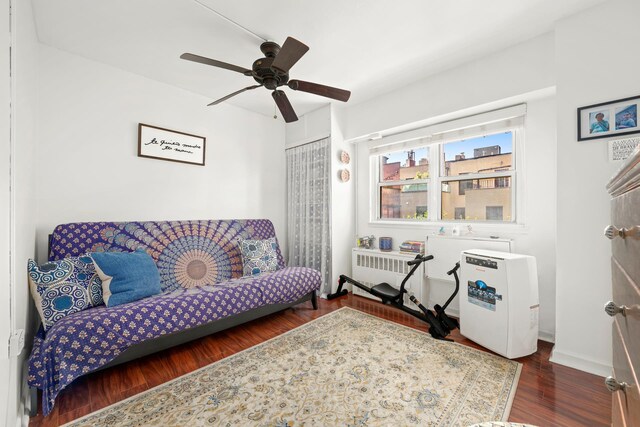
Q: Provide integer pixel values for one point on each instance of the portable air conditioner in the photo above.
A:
(499, 301)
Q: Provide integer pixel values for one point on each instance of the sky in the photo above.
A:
(504, 140)
(401, 156)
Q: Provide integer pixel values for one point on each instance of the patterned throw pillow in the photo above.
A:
(259, 256)
(62, 287)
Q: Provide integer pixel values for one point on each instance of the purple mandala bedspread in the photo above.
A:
(201, 276)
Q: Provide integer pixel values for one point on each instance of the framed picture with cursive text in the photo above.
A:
(165, 144)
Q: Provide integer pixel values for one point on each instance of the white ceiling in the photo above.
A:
(366, 46)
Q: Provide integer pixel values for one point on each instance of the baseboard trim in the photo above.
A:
(542, 335)
(25, 398)
(580, 363)
(547, 336)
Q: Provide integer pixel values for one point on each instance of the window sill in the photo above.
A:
(479, 229)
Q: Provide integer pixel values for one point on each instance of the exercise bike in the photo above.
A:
(440, 325)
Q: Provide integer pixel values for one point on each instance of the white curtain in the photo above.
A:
(308, 207)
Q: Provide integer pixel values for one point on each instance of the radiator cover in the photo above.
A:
(372, 266)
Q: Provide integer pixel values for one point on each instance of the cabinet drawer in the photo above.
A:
(627, 293)
(626, 214)
(622, 372)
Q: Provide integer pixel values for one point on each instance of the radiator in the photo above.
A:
(370, 267)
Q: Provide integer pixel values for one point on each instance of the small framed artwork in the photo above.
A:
(165, 144)
(608, 119)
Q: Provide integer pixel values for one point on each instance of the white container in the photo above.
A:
(499, 301)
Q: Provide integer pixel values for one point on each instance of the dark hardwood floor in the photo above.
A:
(548, 394)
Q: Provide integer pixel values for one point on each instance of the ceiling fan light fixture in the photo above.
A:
(270, 83)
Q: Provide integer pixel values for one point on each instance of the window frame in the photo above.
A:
(436, 180)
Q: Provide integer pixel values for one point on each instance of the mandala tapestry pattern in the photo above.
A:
(187, 253)
(346, 368)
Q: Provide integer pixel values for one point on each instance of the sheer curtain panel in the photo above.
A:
(308, 207)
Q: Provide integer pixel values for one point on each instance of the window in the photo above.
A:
(494, 213)
(488, 196)
(467, 173)
(502, 182)
(462, 187)
(403, 184)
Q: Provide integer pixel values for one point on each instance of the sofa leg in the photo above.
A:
(33, 410)
(314, 299)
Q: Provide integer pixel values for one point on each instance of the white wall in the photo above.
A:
(313, 126)
(594, 64)
(520, 69)
(536, 237)
(22, 204)
(540, 206)
(87, 159)
(7, 366)
(342, 200)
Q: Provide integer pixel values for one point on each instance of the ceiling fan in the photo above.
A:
(272, 71)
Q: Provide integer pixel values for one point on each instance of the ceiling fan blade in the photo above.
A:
(214, 63)
(322, 90)
(291, 51)
(284, 106)
(218, 101)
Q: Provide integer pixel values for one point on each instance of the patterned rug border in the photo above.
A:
(516, 377)
(505, 416)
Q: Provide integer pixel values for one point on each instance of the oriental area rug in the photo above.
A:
(346, 368)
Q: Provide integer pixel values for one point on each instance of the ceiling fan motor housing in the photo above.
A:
(270, 49)
(271, 78)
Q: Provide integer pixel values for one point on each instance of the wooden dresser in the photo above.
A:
(624, 233)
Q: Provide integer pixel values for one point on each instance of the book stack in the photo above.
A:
(412, 247)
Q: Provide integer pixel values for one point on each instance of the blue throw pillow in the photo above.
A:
(259, 256)
(62, 287)
(126, 276)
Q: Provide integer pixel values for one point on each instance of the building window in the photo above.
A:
(462, 188)
(494, 213)
(403, 184)
(502, 182)
(488, 160)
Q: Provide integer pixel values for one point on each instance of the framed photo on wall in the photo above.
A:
(165, 144)
(608, 119)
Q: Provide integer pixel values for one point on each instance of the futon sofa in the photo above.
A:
(203, 291)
